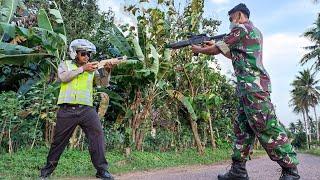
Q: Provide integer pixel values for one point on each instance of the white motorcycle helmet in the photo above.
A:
(80, 45)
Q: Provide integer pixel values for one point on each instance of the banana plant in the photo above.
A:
(36, 43)
(8, 8)
(144, 78)
(144, 56)
(41, 44)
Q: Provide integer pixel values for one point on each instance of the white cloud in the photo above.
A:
(220, 1)
(121, 17)
(284, 50)
(282, 53)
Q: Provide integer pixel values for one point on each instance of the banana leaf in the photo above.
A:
(142, 34)
(137, 48)
(167, 54)
(12, 49)
(155, 56)
(8, 29)
(185, 101)
(118, 40)
(36, 36)
(49, 43)
(13, 31)
(57, 15)
(163, 69)
(43, 20)
(21, 59)
(58, 21)
(8, 8)
(24, 88)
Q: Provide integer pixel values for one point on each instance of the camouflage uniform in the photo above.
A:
(256, 114)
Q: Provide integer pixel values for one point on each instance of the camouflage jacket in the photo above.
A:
(245, 45)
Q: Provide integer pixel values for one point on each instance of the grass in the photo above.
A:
(25, 164)
(311, 151)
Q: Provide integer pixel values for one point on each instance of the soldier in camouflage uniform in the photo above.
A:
(256, 114)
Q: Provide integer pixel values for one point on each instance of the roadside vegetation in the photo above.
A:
(165, 108)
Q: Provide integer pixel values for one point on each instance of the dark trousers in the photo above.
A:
(68, 117)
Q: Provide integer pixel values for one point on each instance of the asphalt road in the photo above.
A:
(259, 169)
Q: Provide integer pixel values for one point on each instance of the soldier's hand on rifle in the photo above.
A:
(90, 67)
(196, 49)
(209, 43)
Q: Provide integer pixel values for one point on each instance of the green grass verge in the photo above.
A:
(25, 164)
(311, 151)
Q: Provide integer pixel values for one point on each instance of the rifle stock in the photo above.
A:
(113, 61)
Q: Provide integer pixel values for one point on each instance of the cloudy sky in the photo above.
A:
(281, 22)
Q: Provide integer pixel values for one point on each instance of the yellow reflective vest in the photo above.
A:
(79, 90)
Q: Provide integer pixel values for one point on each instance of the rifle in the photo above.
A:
(194, 39)
(113, 61)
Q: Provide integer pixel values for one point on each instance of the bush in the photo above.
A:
(299, 140)
(162, 141)
(10, 121)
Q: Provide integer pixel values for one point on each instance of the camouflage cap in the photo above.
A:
(240, 7)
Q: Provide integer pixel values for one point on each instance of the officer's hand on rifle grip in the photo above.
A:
(108, 66)
(90, 67)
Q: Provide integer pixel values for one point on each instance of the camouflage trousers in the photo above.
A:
(257, 118)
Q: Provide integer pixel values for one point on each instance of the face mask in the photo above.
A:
(232, 25)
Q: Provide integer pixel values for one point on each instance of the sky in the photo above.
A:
(281, 23)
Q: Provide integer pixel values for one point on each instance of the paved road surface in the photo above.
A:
(259, 169)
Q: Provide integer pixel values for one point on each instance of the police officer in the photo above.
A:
(76, 108)
(256, 114)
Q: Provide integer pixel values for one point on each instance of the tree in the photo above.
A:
(292, 128)
(299, 126)
(196, 100)
(313, 34)
(305, 95)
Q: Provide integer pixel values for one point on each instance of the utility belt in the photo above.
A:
(73, 106)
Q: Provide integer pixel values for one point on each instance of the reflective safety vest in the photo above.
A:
(79, 89)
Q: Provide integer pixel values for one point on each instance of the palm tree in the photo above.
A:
(298, 109)
(314, 50)
(299, 126)
(304, 96)
(292, 128)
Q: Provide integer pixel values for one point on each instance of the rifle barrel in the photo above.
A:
(218, 37)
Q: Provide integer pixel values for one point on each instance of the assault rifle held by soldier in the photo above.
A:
(194, 40)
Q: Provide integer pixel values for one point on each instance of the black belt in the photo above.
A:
(65, 105)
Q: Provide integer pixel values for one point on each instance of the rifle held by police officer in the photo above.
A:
(112, 61)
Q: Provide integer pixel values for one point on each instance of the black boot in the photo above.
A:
(44, 176)
(105, 175)
(237, 172)
(46, 171)
(289, 174)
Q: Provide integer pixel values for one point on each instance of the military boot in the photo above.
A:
(289, 174)
(237, 172)
(105, 175)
